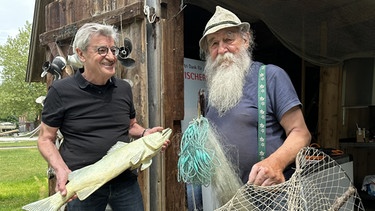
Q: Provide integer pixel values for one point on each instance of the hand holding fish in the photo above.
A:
(61, 180)
(157, 129)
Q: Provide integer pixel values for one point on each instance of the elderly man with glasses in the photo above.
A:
(93, 110)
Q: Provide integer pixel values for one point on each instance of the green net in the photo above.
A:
(196, 162)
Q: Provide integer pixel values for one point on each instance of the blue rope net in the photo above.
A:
(196, 163)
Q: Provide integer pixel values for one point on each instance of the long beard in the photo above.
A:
(225, 79)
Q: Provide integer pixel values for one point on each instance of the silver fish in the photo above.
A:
(120, 157)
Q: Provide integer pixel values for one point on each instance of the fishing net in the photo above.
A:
(196, 162)
(319, 183)
(203, 161)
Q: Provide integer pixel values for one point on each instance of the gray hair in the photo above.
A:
(85, 33)
(243, 32)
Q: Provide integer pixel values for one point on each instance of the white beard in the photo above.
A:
(225, 79)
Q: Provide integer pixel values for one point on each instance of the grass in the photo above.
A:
(23, 175)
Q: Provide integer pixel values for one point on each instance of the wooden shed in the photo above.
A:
(317, 42)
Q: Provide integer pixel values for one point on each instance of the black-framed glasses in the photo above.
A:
(103, 50)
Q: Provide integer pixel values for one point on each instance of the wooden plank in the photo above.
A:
(83, 9)
(329, 106)
(135, 31)
(66, 12)
(329, 96)
(8, 132)
(172, 64)
(52, 15)
(125, 15)
(123, 3)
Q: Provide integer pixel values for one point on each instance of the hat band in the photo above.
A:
(220, 23)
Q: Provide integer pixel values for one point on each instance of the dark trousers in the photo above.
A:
(120, 195)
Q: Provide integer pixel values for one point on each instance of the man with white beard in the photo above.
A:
(232, 82)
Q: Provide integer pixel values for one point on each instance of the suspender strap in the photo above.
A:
(262, 110)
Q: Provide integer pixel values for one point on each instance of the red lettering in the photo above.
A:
(195, 76)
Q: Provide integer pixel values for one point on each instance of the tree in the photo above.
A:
(17, 97)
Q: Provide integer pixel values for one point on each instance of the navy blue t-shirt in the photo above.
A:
(238, 127)
(91, 118)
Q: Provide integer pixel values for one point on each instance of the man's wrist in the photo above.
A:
(144, 131)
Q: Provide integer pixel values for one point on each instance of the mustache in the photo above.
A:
(223, 59)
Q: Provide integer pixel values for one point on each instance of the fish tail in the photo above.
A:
(52, 203)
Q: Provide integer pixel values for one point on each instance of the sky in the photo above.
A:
(13, 16)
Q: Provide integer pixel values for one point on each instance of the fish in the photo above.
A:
(83, 182)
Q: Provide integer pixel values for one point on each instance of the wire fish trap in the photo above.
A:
(319, 183)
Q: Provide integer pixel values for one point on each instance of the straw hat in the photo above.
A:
(222, 18)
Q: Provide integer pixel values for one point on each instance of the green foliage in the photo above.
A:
(17, 97)
(21, 182)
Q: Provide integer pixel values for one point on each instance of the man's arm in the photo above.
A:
(47, 147)
(270, 170)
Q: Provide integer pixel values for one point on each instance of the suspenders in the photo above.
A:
(262, 110)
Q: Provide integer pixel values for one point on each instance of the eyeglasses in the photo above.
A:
(103, 50)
